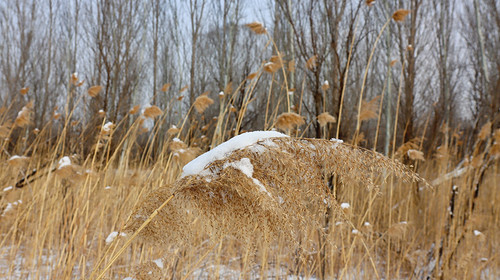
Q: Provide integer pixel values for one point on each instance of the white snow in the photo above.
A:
(345, 205)
(336, 142)
(16, 157)
(367, 224)
(8, 188)
(197, 165)
(326, 83)
(355, 231)
(112, 236)
(159, 263)
(246, 167)
(107, 127)
(268, 64)
(477, 232)
(7, 208)
(65, 161)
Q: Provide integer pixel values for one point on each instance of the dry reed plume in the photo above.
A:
(289, 121)
(272, 188)
(325, 118)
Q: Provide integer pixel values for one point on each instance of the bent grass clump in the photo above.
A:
(273, 187)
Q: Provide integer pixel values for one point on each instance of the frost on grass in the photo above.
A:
(260, 185)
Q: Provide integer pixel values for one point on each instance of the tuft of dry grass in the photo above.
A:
(24, 116)
(325, 118)
(152, 112)
(285, 190)
(257, 27)
(202, 102)
(94, 91)
(287, 121)
(400, 15)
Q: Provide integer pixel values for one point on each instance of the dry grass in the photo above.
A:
(310, 207)
(56, 226)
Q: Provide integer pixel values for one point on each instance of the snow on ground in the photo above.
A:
(197, 165)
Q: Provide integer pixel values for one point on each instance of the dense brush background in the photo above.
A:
(130, 91)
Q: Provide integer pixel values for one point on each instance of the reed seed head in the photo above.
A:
(325, 118)
(400, 15)
(202, 102)
(289, 121)
(94, 91)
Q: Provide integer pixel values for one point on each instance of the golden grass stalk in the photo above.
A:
(346, 75)
(399, 15)
(137, 232)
